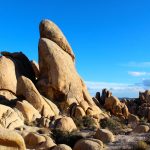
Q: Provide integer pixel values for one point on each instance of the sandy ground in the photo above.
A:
(126, 142)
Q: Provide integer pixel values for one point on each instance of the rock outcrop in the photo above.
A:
(11, 140)
(27, 89)
(140, 106)
(8, 78)
(104, 135)
(65, 124)
(111, 103)
(50, 31)
(37, 141)
(58, 79)
(114, 105)
(9, 118)
(62, 147)
(141, 129)
(29, 112)
(88, 144)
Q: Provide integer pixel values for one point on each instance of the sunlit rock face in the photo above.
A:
(58, 79)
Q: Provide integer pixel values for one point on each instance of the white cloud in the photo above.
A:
(138, 74)
(137, 64)
(118, 89)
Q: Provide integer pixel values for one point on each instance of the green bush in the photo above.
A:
(143, 121)
(68, 138)
(114, 124)
(87, 122)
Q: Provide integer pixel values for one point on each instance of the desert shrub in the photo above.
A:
(79, 123)
(143, 121)
(114, 124)
(33, 123)
(147, 138)
(68, 138)
(87, 122)
(141, 145)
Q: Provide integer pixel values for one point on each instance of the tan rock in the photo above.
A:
(45, 122)
(110, 102)
(114, 105)
(19, 113)
(104, 135)
(65, 124)
(7, 95)
(8, 79)
(79, 112)
(96, 123)
(141, 129)
(50, 31)
(49, 143)
(28, 90)
(62, 147)
(59, 80)
(103, 116)
(13, 65)
(125, 111)
(29, 112)
(88, 144)
(53, 106)
(144, 97)
(133, 118)
(11, 140)
(22, 65)
(37, 141)
(9, 118)
(33, 140)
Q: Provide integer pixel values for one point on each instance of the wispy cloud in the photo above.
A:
(138, 74)
(137, 64)
(118, 89)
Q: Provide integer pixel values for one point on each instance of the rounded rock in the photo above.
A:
(104, 135)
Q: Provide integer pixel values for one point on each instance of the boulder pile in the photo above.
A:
(112, 104)
(47, 94)
(140, 106)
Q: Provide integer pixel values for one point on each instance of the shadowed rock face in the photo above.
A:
(22, 64)
(28, 90)
(58, 78)
(12, 66)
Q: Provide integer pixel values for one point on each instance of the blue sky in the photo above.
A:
(110, 38)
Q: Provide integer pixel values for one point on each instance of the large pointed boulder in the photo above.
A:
(59, 79)
(51, 31)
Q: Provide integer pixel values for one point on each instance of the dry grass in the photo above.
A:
(114, 124)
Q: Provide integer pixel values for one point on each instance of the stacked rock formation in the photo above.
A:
(141, 105)
(58, 79)
(112, 104)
